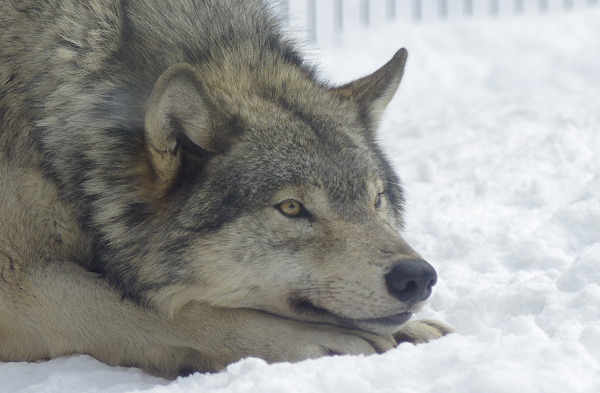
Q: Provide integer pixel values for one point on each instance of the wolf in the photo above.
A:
(179, 190)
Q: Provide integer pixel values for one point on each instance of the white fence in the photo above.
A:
(326, 17)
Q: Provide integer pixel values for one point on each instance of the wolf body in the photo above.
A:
(178, 191)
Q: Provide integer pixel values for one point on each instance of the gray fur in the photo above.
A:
(145, 149)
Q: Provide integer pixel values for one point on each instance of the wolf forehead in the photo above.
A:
(302, 131)
(288, 149)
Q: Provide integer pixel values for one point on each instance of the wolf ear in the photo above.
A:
(374, 92)
(177, 112)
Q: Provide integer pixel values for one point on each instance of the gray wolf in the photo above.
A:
(178, 190)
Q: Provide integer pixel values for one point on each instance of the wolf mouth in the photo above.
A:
(306, 307)
(393, 320)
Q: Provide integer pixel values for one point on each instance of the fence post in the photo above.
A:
(543, 5)
(391, 10)
(284, 11)
(417, 10)
(338, 16)
(443, 8)
(494, 7)
(518, 6)
(364, 13)
(311, 19)
(468, 7)
(568, 4)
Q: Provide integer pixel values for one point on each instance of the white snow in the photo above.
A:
(496, 134)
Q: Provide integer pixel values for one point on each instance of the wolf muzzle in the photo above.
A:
(411, 280)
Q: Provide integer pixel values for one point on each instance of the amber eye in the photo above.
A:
(290, 208)
(378, 200)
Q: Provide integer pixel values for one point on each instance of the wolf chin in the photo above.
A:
(178, 191)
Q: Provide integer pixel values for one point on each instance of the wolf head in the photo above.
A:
(276, 196)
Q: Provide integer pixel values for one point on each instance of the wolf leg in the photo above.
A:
(62, 309)
(239, 333)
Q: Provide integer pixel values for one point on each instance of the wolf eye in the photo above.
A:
(378, 200)
(290, 208)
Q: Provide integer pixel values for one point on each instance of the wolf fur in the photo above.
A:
(178, 191)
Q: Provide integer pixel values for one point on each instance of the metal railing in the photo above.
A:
(415, 10)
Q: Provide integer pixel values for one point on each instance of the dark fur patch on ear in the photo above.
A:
(184, 141)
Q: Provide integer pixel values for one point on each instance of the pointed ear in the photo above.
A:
(176, 112)
(374, 92)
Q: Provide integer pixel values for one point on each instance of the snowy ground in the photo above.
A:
(496, 134)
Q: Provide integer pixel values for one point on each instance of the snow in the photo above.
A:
(496, 134)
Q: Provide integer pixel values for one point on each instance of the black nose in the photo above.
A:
(411, 280)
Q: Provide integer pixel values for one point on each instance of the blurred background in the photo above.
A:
(324, 20)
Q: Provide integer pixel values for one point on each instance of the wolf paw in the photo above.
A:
(338, 341)
(422, 331)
